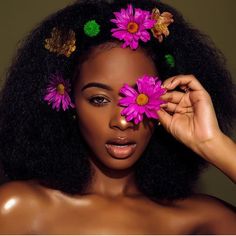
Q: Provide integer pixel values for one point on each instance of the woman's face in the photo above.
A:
(114, 142)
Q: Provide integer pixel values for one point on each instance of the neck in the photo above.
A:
(112, 183)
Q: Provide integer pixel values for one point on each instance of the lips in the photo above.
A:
(120, 147)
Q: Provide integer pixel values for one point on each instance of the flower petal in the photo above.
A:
(119, 34)
(151, 87)
(128, 91)
(138, 16)
(134, 44)
(126, 101)
(145, 36)
(151, 113)
(56, 98)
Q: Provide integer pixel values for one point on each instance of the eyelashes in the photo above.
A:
(98, 101)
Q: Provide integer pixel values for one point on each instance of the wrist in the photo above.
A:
(210, 148)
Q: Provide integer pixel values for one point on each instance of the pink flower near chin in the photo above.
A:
(132, 27)
(57, 93)
(144, 101)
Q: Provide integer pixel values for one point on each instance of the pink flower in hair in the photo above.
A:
(144, 101)
(132, 27)
(57, 93)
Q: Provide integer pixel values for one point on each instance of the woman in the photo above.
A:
(93, 159)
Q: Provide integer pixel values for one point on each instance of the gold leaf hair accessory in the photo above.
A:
(59, 44)
(163, 20)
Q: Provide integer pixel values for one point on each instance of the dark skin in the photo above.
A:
(113, 204)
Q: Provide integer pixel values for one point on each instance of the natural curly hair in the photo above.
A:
(37, 142)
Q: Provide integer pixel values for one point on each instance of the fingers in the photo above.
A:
(184, 82)
(168, 110)
(174, 108)
(173, 96)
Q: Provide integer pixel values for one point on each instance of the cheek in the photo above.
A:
(147, 127)
(145, 132)
(92, 121)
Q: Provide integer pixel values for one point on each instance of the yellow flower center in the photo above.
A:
(61, 89)
(142, 99)
(132, 27)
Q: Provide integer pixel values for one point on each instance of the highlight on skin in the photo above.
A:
(48, 146)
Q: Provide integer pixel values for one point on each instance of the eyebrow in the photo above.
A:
(97, 85)
(100, 85)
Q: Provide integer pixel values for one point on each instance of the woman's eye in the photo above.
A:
(98, 101)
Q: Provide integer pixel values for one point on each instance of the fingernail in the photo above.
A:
(163, 105)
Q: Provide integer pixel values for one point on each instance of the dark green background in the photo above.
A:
(214, 17)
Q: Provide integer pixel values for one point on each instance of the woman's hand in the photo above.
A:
(189, 115)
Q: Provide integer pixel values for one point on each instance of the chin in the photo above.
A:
(120, 164)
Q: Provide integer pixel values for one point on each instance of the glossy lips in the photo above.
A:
(120, 147)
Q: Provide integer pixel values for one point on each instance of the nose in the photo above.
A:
(118, 121)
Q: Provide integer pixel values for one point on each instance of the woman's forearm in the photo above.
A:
(221, 152)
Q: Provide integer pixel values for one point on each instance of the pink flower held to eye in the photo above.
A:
(144, 101)
(57, 92)
(132, 27)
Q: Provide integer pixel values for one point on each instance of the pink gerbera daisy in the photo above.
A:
(57, 92)
(144, 101)
(132, 27)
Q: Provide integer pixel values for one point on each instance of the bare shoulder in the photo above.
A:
(20, 202)
(213, 215)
